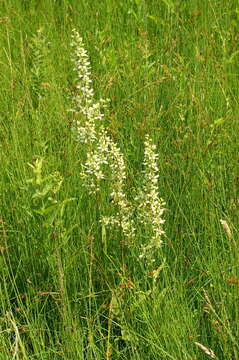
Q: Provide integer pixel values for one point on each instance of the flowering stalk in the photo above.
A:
(83, 100)
(104, 160)
(123, 217)
(151, 206)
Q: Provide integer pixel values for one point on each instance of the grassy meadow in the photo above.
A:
(147, 266)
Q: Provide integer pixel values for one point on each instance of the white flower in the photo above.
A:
(151, 206)
(106, 161)
(83, 101)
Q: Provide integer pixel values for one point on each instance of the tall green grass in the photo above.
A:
(170, 69)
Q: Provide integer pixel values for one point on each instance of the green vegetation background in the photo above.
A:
(170, 68)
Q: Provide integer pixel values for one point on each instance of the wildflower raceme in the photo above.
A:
(104, 159)
(150, 205)
(83, 100)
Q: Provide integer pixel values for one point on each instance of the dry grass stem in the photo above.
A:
(207, 351)
(226, 228)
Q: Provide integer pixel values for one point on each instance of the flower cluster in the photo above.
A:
(151, 206)
(104, 160)
(123, 217)
(93, 170)
(83, 100)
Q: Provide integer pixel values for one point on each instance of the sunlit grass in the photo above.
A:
(70, 287)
